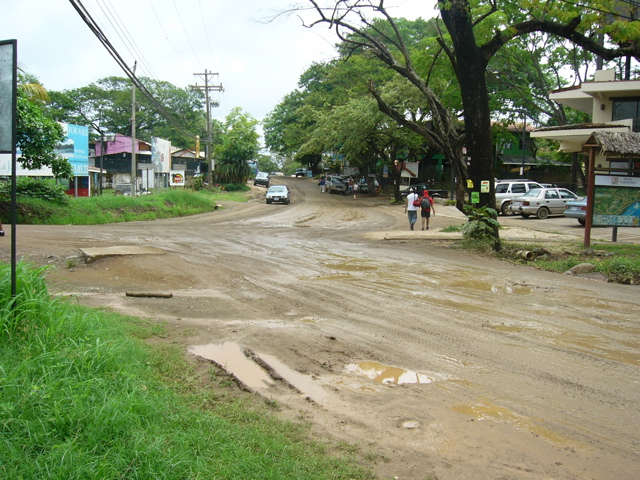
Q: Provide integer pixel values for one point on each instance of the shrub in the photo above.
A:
(44, 189)
(482, 226)
(621, 270)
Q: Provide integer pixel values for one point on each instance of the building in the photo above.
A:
(614, 106)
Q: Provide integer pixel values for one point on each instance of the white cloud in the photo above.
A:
(258, 62)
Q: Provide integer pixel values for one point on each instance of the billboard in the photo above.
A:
(75, 148)
(176, 179)
(7, 92)
(616, 201)
(161, 154)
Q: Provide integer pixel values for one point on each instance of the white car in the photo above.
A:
(542, 202)
(507, 190)
(279, 194)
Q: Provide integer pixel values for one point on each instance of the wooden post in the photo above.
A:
(591, 177)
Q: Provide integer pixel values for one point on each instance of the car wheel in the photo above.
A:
(268, 202)
(525, 215)
(505, 210)
(582, 221)
(543, 212)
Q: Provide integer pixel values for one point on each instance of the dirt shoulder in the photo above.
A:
(434, 362)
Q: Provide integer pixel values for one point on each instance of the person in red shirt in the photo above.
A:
(426, 208)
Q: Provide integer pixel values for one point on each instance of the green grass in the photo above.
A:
(83, 396)
(619, 262)
(110, 208)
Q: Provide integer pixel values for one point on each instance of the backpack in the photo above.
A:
(425, 204)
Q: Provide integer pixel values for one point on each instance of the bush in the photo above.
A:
(44, 189)
(234, 187)
(621, 270)
(482, 227)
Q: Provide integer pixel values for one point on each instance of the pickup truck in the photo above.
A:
(421, 187)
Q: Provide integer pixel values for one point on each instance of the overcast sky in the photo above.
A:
(258, 62)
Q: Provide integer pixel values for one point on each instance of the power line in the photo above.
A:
(163, 30)
(129, 37)
(186, 33)
(86, 17)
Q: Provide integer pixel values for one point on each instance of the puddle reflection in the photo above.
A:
(230, 356)
(385, 374)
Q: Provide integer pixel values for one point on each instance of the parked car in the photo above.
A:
(278, 194)
(335, 184)
(507, 190)
(542, 202)
(577, 209)
(262, 178)
(277, 174)
(421, 187)
(300, 172)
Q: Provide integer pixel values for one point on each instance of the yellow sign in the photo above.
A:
(469, 183)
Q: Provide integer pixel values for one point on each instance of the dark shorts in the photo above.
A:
(425, 213)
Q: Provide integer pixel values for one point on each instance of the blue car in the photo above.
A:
(577, 209)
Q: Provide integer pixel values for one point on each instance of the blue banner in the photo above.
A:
(76, 148)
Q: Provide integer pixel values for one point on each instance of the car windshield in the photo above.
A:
(534, 192)
(277, 190)
(262, 175)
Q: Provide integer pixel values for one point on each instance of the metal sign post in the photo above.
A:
(8, 122)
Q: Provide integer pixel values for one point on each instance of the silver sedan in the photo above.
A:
(542, 202)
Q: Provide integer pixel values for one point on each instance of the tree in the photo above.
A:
(238, 144)
(106, 106)
(476, 32)
(37, 134)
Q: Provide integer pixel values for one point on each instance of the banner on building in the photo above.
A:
(161, 154)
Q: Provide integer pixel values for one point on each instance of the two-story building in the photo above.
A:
(614, 106)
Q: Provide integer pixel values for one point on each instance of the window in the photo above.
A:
(502, 188)
(567, 194)
(551, 194)
(624, 108)
(518, 188)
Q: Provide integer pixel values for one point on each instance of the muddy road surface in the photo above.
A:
(436, 363)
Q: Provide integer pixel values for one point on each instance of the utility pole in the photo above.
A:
(134, 167)
(208, 87)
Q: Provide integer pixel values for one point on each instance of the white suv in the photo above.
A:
(507, 190)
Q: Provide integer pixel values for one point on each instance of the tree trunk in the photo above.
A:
(470, 66)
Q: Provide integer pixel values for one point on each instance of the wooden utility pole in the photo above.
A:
(208, 87)
(134, 167)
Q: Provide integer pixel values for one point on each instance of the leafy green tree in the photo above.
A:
(238, 143)
(476, 31)
(106, 106)
(37, 134)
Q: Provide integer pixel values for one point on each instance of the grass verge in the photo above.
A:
(118, 208)
(82, 395)
(619, 262)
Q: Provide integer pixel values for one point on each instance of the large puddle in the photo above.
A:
(230, 356)
(485, 410)
(386, 374)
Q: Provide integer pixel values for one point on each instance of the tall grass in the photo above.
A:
(80, 397)
(110, 208)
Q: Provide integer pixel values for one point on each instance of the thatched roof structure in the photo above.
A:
(615, 144)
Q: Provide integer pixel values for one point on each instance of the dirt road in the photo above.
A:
(438, 363)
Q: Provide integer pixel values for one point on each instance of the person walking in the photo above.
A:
(426, 208)
(323, 183)
(411, 207)
(355, 189)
